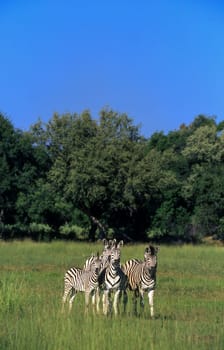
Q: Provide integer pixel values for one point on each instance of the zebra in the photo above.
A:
(76, 276)
(82, 280)
(142, 277)
(105, 258)
(114, 281)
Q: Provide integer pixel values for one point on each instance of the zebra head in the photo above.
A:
(88, 266)
(105, 256)
(150, 257)
(96, 264)
(116, 252)
(92, 262)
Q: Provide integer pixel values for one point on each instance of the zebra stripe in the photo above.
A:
(142, 276)
(115, 281)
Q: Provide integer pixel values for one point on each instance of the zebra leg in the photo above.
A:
(64, 301)
(87, 294)
(134, 301)
(96, 301)
(97, 296)
(116, 301)
(93, 294)
(73, 295)
(150, 296)
(110, 301)
(67, 290)
(105, 300)
(125, 300)
(141, 295)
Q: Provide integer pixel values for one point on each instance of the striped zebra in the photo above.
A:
(105, 259)
(77, 279)
(142, 276)
(81, 280)
(115, 281)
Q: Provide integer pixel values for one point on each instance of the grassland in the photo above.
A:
(189, 301)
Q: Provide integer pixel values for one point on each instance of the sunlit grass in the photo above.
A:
(189, 301)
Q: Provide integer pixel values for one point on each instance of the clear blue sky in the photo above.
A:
(161, 62)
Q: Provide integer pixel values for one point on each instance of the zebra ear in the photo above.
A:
(110, 242)
(105, 242)
(114, 242)
(120, 244)
(146, 250)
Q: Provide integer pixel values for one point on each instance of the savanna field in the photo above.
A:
(188, 302)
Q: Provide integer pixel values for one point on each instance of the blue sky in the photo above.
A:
(161, 62)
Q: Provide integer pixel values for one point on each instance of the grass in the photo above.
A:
(189, 301)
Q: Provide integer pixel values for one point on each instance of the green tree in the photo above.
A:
(22, 163)
(90, 164)
(9, 139)
(203, 188)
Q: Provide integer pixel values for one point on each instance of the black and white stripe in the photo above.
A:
(142, 276)
(115, 281)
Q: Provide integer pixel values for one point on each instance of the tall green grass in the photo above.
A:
(189, 301)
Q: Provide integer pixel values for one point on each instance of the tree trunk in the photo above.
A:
(92, 231)
(94, 224)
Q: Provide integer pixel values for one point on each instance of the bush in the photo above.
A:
(40, 232)
(220, 230)
(13, 231)
(73, 232)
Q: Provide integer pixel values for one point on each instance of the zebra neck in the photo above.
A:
(150, 271)
(115, 266)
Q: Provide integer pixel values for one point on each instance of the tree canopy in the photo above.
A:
(75, 177)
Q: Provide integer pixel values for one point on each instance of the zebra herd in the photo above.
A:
(105, 275)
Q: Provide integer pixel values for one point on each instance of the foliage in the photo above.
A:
(87, 179)
(13, 231)
(73, 232)
(40, 232)
(220, 231)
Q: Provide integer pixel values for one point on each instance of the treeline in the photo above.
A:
(79, 178)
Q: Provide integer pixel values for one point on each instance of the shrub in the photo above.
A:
(12, 231)
(73, 232)
(40, 232)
